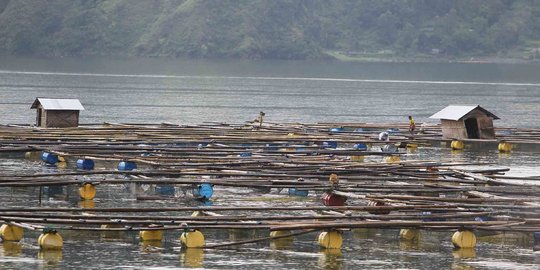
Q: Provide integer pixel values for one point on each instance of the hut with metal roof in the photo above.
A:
(52, 112)
(466, 122)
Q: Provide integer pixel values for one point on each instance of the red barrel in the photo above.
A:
(331, 199)
(378, 212)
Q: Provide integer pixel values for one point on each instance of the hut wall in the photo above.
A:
(453, 129)
(60, 118)
(485, 126)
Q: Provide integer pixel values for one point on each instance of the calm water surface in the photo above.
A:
(192, 92)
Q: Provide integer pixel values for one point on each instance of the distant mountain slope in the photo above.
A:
(271, 29)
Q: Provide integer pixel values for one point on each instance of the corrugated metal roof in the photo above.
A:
(457, 112)
(58, 104)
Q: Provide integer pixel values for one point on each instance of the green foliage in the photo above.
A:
(275, 29)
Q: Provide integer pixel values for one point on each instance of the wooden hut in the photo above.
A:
(466, 122)
(57, 112)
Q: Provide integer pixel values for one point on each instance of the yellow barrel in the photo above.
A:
(50, 240)
(505, 147)
(357, 158)
(330, 239)
(87, 191)
(464, 239)
(392, 159)
(457, 145)
(198, 214)
(334, 179)
(11, 232)
(151, 235)
(412, 145)
(279, 233)
(193, 239)
(409, 234)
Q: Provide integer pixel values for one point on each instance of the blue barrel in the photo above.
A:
(360, 146)
(358, 130)
(300, 149)
(167, 190)
(127, 166)
(337, 129)
(49, 158)
(245, 144)
(484, 218)
(537, 240)
(389, 148)
(271, 146)
(330, 144)
(85, 164)
(52, 191)
(203, 191)
(245, 154)
(297, 192)
(431, 219)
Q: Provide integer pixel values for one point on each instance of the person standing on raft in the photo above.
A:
(412, 125)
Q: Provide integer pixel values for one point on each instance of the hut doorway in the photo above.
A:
(472, 128)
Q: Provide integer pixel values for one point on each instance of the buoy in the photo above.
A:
(298, 192)
(50, 240)
(245, 154)
(203, 191)
(392, 159)
(293, 135)
(333, 179)
(411, 145)
(87, 191)
(409, 234)
(11, 232)
(127, 166)
(457, 145)
(151, 235)
(281, 243)
(166, 190)
(330, 144)
(377, 211)
(505, 147)
(279, 233)
(198, 214)
(360, 146)
(337, 129)
(49, 158)
(192, 239)
(330, 239)
(85, 164)
(271, 146)
(389, 148)
(332, 199)
(464, 239)
(32, 155)
(357, 158)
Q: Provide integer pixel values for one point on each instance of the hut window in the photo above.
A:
(472, 128)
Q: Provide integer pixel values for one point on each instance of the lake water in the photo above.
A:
(192, 92)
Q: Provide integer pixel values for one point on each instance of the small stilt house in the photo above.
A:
(466, 122)
(57, 112)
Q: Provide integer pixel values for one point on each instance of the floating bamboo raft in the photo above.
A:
(419, 194)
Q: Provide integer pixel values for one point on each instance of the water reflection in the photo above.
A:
(11, 249)
(151, 246)
(464, 253)
(192, 257)
(331, 259)
(50, 257)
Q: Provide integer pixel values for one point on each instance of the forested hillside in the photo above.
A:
(271, 29)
